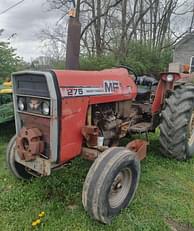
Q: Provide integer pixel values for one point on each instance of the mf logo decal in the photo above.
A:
(111, 86)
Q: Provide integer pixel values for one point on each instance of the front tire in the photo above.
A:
(177, 124)
(111, 183)
(17, 169)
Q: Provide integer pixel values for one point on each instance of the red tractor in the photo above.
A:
(60, 115)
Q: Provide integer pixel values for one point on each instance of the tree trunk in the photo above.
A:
(98, 29)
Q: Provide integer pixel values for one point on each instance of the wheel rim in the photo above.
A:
(120, 188)
(191, 130)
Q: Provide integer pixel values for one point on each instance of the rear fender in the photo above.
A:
(163, 86)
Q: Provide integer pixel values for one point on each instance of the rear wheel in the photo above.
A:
(177, 125)
(111, 183)
(17, 169)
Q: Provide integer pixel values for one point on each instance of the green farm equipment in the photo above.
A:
(6, 103)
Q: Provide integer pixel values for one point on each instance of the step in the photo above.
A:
(140, 127)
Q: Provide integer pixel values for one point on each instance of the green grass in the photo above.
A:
(164, 199)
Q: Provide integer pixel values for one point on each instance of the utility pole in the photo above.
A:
(73, 39)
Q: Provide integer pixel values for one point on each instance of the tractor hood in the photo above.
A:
(111, 84)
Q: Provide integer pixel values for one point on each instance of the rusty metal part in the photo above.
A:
(139, 147)
(38, 167)
(30, 121)
(123, 129)
(90, 133)
(29, 143)
(90, 154)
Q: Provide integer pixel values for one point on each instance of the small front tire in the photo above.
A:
(111, 183)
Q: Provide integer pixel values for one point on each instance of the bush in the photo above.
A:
(141, 57)
(97, 63)
(148, 60)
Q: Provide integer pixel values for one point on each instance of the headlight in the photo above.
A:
(45, 108)
(169, 78)
(21, 104)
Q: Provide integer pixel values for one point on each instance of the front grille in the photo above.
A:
(31, 84)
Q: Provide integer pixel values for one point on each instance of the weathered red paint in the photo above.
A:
(139, 147)
(95, 79)
(162, 88)
(72, 121)
(74, 109)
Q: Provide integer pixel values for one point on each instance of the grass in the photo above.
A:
(164, 199)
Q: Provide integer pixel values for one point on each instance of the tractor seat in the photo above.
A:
(145, 85)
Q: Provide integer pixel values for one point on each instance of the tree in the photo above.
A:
(9, 61)
(104, 22)
(123, 28)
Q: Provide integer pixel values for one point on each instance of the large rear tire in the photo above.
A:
(177, 124)
(111, 183)
(16, 168)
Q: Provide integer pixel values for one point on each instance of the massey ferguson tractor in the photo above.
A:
(60, 115)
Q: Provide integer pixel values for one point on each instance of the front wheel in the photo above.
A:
(177, 124)
(111, 183)
(17, 169)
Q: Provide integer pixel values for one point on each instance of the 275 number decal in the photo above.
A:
(75, 91)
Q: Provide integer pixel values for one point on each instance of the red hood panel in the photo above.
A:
(101, 86)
